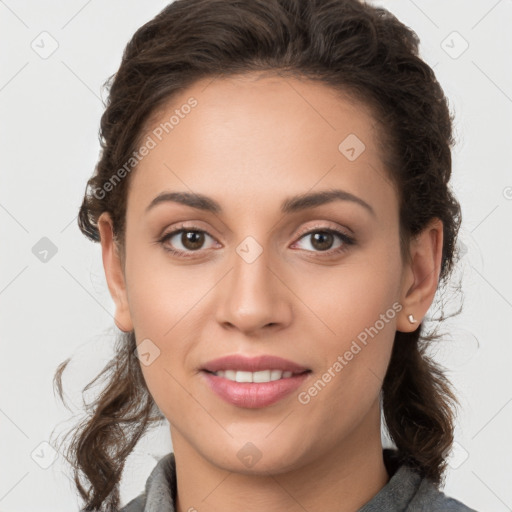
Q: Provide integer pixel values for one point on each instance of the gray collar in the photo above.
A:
(406, 490)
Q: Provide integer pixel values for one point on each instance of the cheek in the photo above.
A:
(350, 298)
(357, 311)
(169, 390)
(161, 294)
(165, 303)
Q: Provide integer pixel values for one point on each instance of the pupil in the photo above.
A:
(321, 237)
(192, 239)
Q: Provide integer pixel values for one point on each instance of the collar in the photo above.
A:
(397, 494)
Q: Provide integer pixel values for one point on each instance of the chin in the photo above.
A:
(260, 457)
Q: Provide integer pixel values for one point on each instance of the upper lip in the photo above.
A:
(253, 364)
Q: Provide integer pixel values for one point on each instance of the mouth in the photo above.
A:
(257, 377)
(256, 364)
(253, 382)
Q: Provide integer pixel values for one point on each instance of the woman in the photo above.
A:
(274, 210)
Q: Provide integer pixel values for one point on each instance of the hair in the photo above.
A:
(358, 49)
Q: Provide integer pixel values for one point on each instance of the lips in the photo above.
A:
(253, 382)
(253, 364)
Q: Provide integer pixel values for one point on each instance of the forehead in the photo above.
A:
(257, 135)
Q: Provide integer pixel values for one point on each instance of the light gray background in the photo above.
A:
(50, 310)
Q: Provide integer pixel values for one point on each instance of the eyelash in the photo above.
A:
(347, 240)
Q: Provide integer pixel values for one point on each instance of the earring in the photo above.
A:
(412, 319)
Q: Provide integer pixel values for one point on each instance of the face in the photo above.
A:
(264, 272)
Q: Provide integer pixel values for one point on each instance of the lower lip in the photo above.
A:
(253, 395)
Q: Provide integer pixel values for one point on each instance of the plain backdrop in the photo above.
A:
(54, 302)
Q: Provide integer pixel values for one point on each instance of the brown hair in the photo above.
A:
(360, 50)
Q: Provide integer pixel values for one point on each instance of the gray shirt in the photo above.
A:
(406, 491)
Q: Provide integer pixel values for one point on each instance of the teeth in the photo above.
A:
(275, 374)
(229, 374)
(243, 376)
(261, 376)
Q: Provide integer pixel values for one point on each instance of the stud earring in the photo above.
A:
(412, 319)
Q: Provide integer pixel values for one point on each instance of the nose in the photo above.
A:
(254, 297)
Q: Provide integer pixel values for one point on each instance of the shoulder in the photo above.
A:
(408, 491)
(159, 490)
(135, 505)
(429, 498)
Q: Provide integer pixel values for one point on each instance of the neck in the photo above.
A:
(342, 479)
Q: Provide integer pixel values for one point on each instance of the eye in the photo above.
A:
(187, 240)
(322, 240)
(190, 238)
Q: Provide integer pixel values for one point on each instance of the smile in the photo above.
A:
(260, 376)
(243, 389)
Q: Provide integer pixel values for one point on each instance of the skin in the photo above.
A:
(251, 142)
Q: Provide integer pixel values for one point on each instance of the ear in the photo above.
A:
(114, 272)
(421, 275)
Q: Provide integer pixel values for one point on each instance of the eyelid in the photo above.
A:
(182, 227)
(346, 240)
(319, 226)
(337, 231)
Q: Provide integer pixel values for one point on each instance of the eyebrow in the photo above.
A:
(290, 205)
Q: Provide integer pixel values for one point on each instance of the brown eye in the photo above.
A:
(192, 240)
(185, 241)
(324, 240)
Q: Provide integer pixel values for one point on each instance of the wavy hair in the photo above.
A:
(359, 49)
